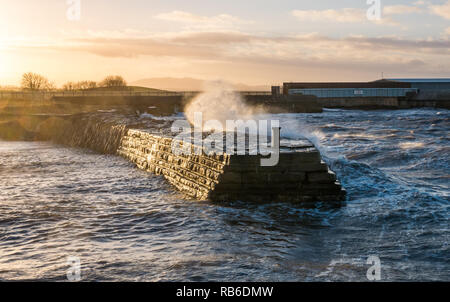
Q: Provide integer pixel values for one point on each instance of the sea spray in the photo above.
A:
(220, 102)
(294, 129)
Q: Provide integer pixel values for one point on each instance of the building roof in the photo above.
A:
(436, 80)
(330, 85)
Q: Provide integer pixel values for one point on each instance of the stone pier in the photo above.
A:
(300, 176)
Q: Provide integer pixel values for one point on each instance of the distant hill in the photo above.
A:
(126, 88)
(190, 84)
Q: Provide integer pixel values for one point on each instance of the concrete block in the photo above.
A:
(321, 177)
(310, 167)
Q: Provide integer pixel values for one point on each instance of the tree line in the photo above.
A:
(34, 81)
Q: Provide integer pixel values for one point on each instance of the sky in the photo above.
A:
(254, 42)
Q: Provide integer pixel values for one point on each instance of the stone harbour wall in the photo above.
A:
(194, 175)
(300, 176)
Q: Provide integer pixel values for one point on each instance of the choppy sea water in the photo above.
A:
(127, 225)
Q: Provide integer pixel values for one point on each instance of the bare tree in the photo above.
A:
(113, 81)
(83, 85)
(50, 86)
(34, 81)
(69, 86)
(86, 85)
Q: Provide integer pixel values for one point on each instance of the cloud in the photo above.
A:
(222, 21)
(401, 10)
(345, 15)
(312, 51)
(421, 3)
(221, 50)
(441, 10)
(210, 45)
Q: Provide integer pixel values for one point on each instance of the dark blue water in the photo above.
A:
(125, 224)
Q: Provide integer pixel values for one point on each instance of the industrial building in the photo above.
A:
(380, 88)
(427, 85)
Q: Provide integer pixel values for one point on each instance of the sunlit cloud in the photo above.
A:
(181, 43)
(189, 20)
(300, 50)
(421, 3)
(345, 15)
(401, 10)
(441, 10)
